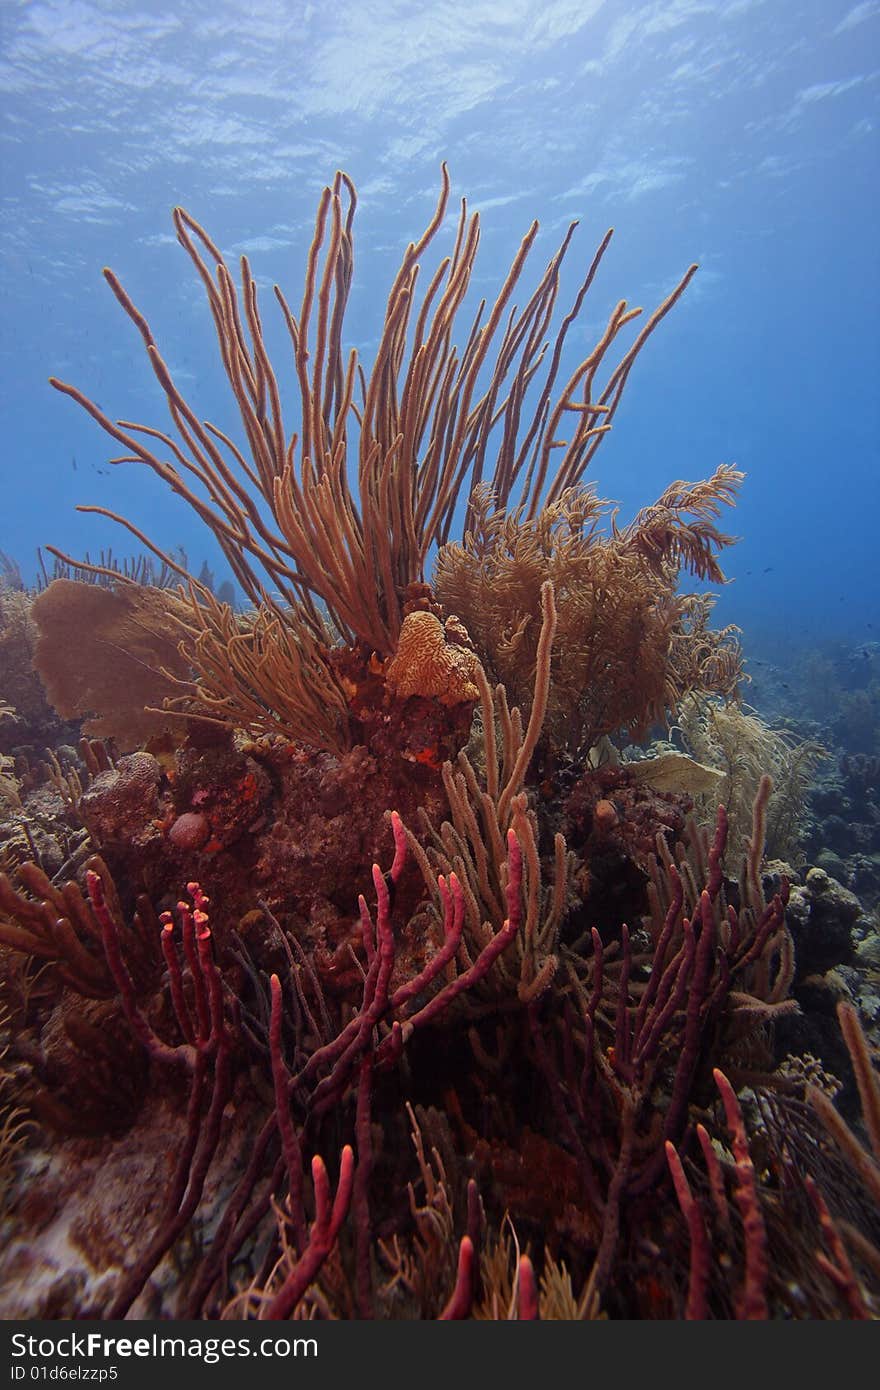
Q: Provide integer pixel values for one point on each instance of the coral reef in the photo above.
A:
(28, 719)
(354, 975)
(844, 834)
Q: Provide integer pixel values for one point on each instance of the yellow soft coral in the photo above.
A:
(426, 663)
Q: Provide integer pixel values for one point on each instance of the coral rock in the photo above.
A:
(121, 805)
(820, 917)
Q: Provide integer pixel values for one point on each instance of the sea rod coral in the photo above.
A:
(328, 525)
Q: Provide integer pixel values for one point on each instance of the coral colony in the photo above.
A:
(350, 971)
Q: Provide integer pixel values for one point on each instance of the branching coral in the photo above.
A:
(425, 419)
(203, 1023)
(628, 646)
(742, 746)
(300, 540)
(14, 1120)
(713, 975)
(9, 783)
(58, 925)
(609, 1062)
(255, 671)
(473, 844)
(822, 1168)
(420, 1268)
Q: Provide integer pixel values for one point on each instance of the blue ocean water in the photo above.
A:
(738, 133)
